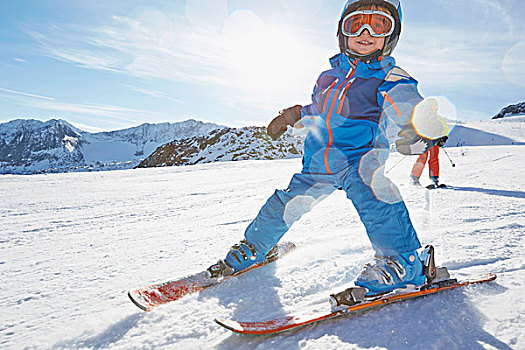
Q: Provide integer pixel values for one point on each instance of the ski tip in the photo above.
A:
(136, 302)
(229, 324)
(488, 276)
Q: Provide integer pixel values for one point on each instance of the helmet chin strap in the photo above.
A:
(364, 58)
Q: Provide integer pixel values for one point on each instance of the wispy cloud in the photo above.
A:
(263, 62)
(27, 94)
(115, 115)
(86, 127)
(473, 53)
(158, 94)
(256, 66)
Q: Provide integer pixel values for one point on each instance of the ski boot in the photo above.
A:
(392, 272)
(436, 275)
(389, 273)
(415, 181)
(240, 257)
(435, 184)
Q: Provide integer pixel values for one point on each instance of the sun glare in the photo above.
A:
(254, 58)
(260, 56)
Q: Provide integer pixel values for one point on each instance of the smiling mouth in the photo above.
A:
(365, 42)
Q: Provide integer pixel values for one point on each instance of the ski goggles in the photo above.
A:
(378, 23)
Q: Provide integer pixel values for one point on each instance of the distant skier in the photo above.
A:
(432, 155)
(346, 148)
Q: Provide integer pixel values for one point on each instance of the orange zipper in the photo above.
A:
(330, 135)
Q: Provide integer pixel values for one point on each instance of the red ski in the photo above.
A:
(148, 298)
(289, 322)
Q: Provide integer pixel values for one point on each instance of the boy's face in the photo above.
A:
(365, 44)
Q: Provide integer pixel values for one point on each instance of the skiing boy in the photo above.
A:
(346, 148)
(432, 155)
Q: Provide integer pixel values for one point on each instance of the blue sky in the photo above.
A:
(106, 65)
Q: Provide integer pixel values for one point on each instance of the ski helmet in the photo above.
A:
(393, 6)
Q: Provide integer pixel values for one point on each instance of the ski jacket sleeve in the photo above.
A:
(319, 94)
(420, 125)
(398, 96)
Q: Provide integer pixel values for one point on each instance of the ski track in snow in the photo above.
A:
(73, 244)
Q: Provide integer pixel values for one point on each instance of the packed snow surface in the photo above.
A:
(72, 244)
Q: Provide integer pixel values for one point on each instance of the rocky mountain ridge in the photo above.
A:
(511, 110)
(228, 144)
(31, 146)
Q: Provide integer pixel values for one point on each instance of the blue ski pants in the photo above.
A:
(375, 198)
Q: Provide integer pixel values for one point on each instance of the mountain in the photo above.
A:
(511, 110)
(32, 146)
(253, 143)
(228, 144)
(135, 143)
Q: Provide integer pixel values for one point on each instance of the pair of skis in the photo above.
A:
(148, 298)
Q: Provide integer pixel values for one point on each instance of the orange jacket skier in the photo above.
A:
(432, 155)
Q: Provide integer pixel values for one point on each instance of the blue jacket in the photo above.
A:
(352, 106)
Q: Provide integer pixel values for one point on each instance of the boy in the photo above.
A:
(346, 149)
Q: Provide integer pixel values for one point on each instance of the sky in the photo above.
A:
(108, 65)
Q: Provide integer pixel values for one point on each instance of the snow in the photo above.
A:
(72, 244)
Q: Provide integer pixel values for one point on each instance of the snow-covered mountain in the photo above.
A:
(31, 146)
(511, 110)
(228, 144)
(253, 143)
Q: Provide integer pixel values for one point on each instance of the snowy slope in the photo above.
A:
(73, 243)
(504, 131)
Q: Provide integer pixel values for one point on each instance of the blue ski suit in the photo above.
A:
(353, 106)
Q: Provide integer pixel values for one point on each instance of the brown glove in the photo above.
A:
(288, 116)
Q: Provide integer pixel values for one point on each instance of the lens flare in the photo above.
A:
(299, 205)
(513, 64)
(434, 117)
(207, 14)
(372, 173)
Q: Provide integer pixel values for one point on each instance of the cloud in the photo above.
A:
(263, 63)
(27, 94)
(467, 57)
(257, 65)
(158, 94)
(88, 128)
(116, 115)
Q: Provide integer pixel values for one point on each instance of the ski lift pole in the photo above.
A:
(395, 165)
(451, 162)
